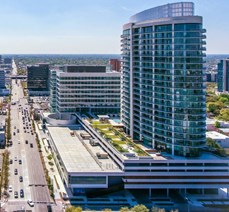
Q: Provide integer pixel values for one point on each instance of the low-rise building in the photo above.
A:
(131, 167)
(220, 138)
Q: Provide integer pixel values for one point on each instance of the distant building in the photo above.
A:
(223, 75)
(115, 64)
(85, 89)
(7, 60)
(220, 138)
(3, 90)
(38, 79)
(211, 77)
(2, 79)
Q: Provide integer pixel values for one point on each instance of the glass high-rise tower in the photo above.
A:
(163, 82)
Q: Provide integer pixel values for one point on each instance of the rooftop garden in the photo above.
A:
(117, 138)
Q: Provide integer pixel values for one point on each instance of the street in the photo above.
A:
(27, 176)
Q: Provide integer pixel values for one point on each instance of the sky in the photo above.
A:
(91, 26)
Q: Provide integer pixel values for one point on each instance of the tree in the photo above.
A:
(224, 114)
(124, 209)
(223, 99)
(215, 107)
(106, 210)
(73, 209)
(140, 208)
(217, 124)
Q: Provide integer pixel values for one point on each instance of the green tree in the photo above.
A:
(73, 209)
(124, 209)
(215, 107)
(217, 124)
(140, 208)
(223, 99)
(224, 114)
(213, 98)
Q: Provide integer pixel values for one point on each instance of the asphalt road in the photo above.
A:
(34, 184)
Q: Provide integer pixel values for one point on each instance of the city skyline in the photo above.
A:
(90, 27)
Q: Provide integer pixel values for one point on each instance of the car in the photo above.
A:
(21, 179)
(21, 193)
(14, 133)
(15, 171)
(15, 158)
(20, 161)
(10, 142)
(14, 127)
(10, 188)
(30, 202)
(18, 141)
(31, 145)
(11, 161)
(17, 130)
(15, 194)
(26, 141)
(24, 131)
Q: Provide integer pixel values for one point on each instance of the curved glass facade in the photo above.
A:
(163, 87)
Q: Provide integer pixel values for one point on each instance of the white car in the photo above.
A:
(15, 158)
(10, 188)
(30, 202)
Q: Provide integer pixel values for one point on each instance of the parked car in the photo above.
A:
(30, 202)
(10, 188)
(15, 194)
(21, 193)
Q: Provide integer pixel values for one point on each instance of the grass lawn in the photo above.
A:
(116, 137)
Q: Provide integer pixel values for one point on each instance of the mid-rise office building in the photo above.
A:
(38, 79)
(163, 82)
(52, 97)
(223, 76)
(85, 89)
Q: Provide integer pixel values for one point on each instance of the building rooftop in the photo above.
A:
(77, 154)
(165, 11)
(216, 135)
